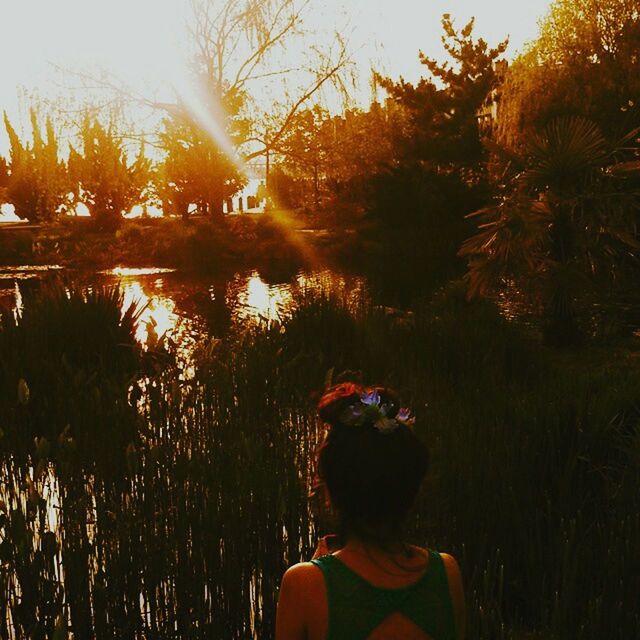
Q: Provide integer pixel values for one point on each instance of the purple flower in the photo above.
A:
(404, 416)
(370, 398)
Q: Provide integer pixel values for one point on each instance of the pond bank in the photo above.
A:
(274, 241)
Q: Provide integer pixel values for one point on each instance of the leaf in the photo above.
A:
(23, 392)
(61, 631)
(43, 448)
(328, 379)
(624, 167)
(131, 455)
(624, 237)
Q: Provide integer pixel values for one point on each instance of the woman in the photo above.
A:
(373, 586)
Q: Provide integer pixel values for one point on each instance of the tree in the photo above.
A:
(241, 49)
(106, 181)
(195, 169)
(584, 62)
(443, 128)
(4, 179)
(564, 229)
(37, 184)
(436, 173)
(306, 148)
(337, 154)
(242, 56)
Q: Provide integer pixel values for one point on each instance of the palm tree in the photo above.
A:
(564, 224)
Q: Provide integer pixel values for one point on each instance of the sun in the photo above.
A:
(145, 45)
(142, 43)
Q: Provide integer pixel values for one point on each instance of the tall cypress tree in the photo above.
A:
(107, 182)
(37, 184)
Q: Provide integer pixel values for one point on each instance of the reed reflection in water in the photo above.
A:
(190, 536)
(185, 531)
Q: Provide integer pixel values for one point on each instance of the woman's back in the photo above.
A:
(352, 595)
(358, 609)
(370, 468)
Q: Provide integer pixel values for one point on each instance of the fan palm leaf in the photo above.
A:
(566, 150)
(566, 219)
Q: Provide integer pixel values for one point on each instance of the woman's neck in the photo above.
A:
(397, 559)
(391, 548)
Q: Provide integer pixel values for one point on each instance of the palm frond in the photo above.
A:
(567, 148)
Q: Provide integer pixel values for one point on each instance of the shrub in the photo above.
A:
(75, 352)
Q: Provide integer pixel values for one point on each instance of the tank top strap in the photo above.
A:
(356, 607)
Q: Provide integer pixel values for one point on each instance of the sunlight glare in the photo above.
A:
(209, 114)
(260, 301)
(159, 314)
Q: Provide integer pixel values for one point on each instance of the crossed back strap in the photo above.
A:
(360, 611)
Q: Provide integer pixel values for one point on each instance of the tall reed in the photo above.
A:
(184, 530)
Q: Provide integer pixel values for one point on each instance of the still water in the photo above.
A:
(185, 534)
(183, 307)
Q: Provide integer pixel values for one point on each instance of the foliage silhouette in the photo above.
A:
(563, 228)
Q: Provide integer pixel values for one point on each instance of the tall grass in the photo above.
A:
(73, 353)
(185, 530)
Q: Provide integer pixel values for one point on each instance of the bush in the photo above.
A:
(73, 353)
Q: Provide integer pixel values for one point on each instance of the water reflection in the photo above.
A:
(159, 318)
(184, 533)
(27, 272)
(183, 308)
(259, 301)
(131, 272)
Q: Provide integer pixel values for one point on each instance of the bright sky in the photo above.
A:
(142, 41)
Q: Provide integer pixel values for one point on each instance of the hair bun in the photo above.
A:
(336, 399)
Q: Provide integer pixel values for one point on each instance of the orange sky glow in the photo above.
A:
(144, 42)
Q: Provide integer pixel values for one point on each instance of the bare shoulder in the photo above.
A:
(302, 573)
(456, 589)
(301, 602)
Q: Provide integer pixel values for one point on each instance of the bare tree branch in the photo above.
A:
(234, 44)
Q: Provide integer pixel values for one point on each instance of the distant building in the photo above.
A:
(251, 198)
(488, 114)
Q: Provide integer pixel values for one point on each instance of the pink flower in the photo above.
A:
(404, 417)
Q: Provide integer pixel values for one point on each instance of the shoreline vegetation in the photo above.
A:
(277, 244)
(170, 489)
(198, 244)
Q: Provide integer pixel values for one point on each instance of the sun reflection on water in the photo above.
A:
(132, 272)
(183, 310)
(159, 316)
(258, 300)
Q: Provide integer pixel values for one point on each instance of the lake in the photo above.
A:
(164, 500)
(183, 306)
(185, 533)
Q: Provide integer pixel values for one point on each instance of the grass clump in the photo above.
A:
(536, 463)
(68, 356)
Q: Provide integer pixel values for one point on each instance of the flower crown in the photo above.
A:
(352, 405)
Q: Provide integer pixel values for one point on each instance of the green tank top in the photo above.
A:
(357, 608)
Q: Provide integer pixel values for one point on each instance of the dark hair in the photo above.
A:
(372, 478)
